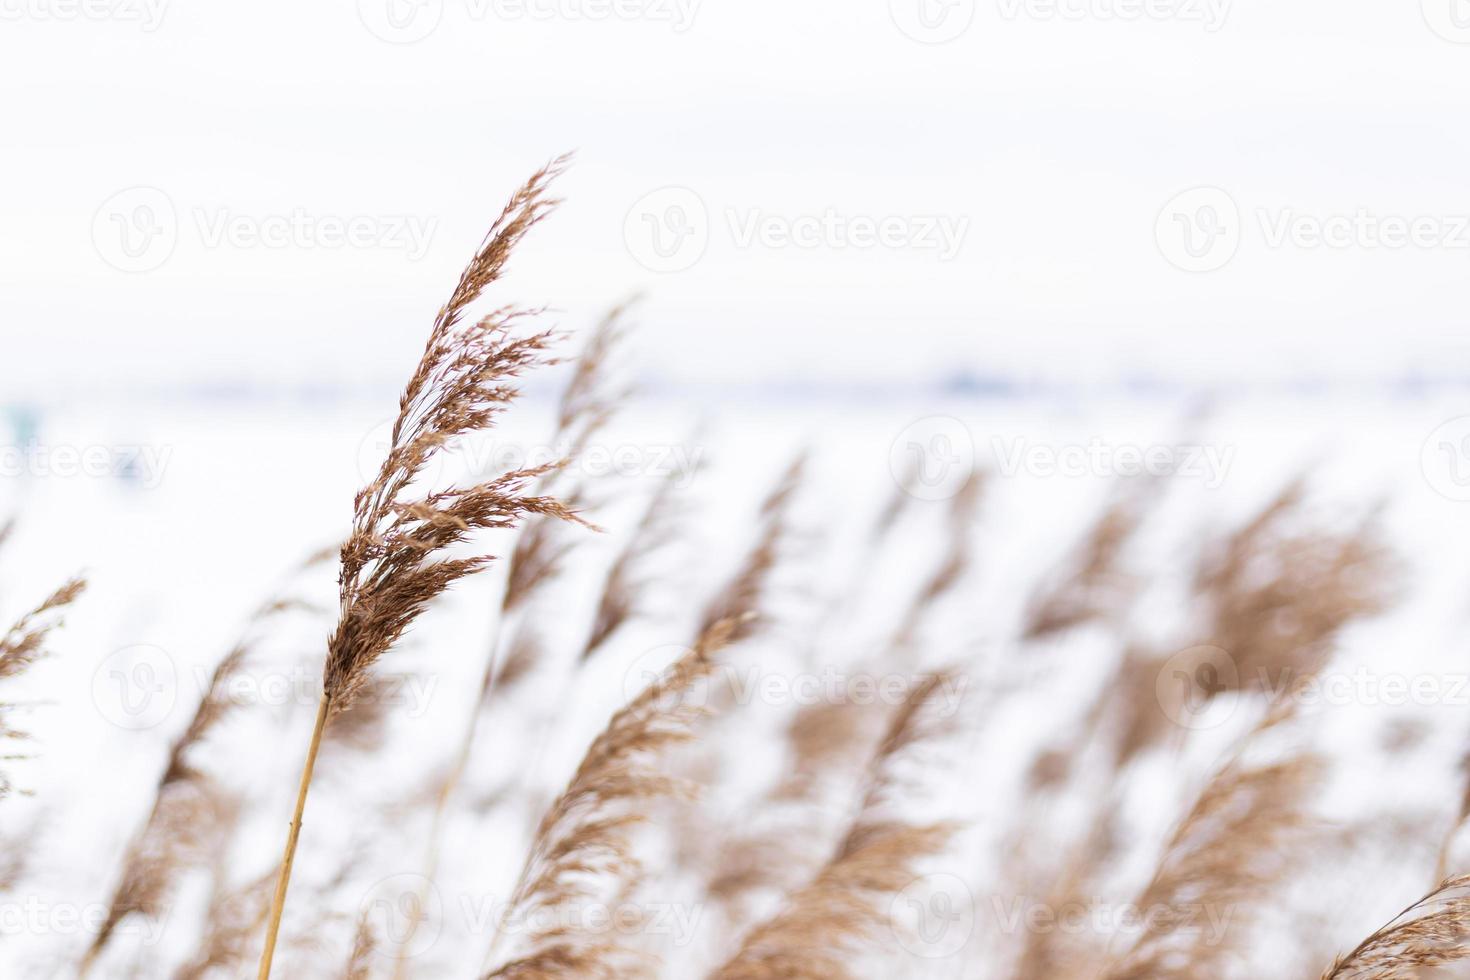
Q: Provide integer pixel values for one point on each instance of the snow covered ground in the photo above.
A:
(186, 515)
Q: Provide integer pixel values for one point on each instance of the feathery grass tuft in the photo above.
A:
(21, 647)
(580, 847)
(396, 559)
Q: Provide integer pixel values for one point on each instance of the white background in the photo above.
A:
(1058, 137)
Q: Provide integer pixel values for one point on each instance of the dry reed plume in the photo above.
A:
(397, 558)
(823, 925)
(627, 580)
(21, 647)
(1429, 934)
(581, 841)
(587, 404)
(189, 809)
(742, 597)
(1093, 584)
(1242, 836)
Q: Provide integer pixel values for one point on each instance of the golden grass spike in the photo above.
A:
(1430, 933)
(1093, 584)
(834, 916)
(396, 559)
(1279, 595)
(364, 945)
(581, 841)
(24, 644)
(618, 602)
(1243, 835)
(234, 920)
(740, 599)
(587, 404)
(957, 559)
(839, 912)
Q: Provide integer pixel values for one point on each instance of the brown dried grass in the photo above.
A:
(580, 848)
(1431, 933)
(397, 558)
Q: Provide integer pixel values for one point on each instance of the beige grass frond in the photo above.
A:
(1431, 933)
(580, 846)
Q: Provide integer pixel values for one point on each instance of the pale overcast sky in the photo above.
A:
(829, 190)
